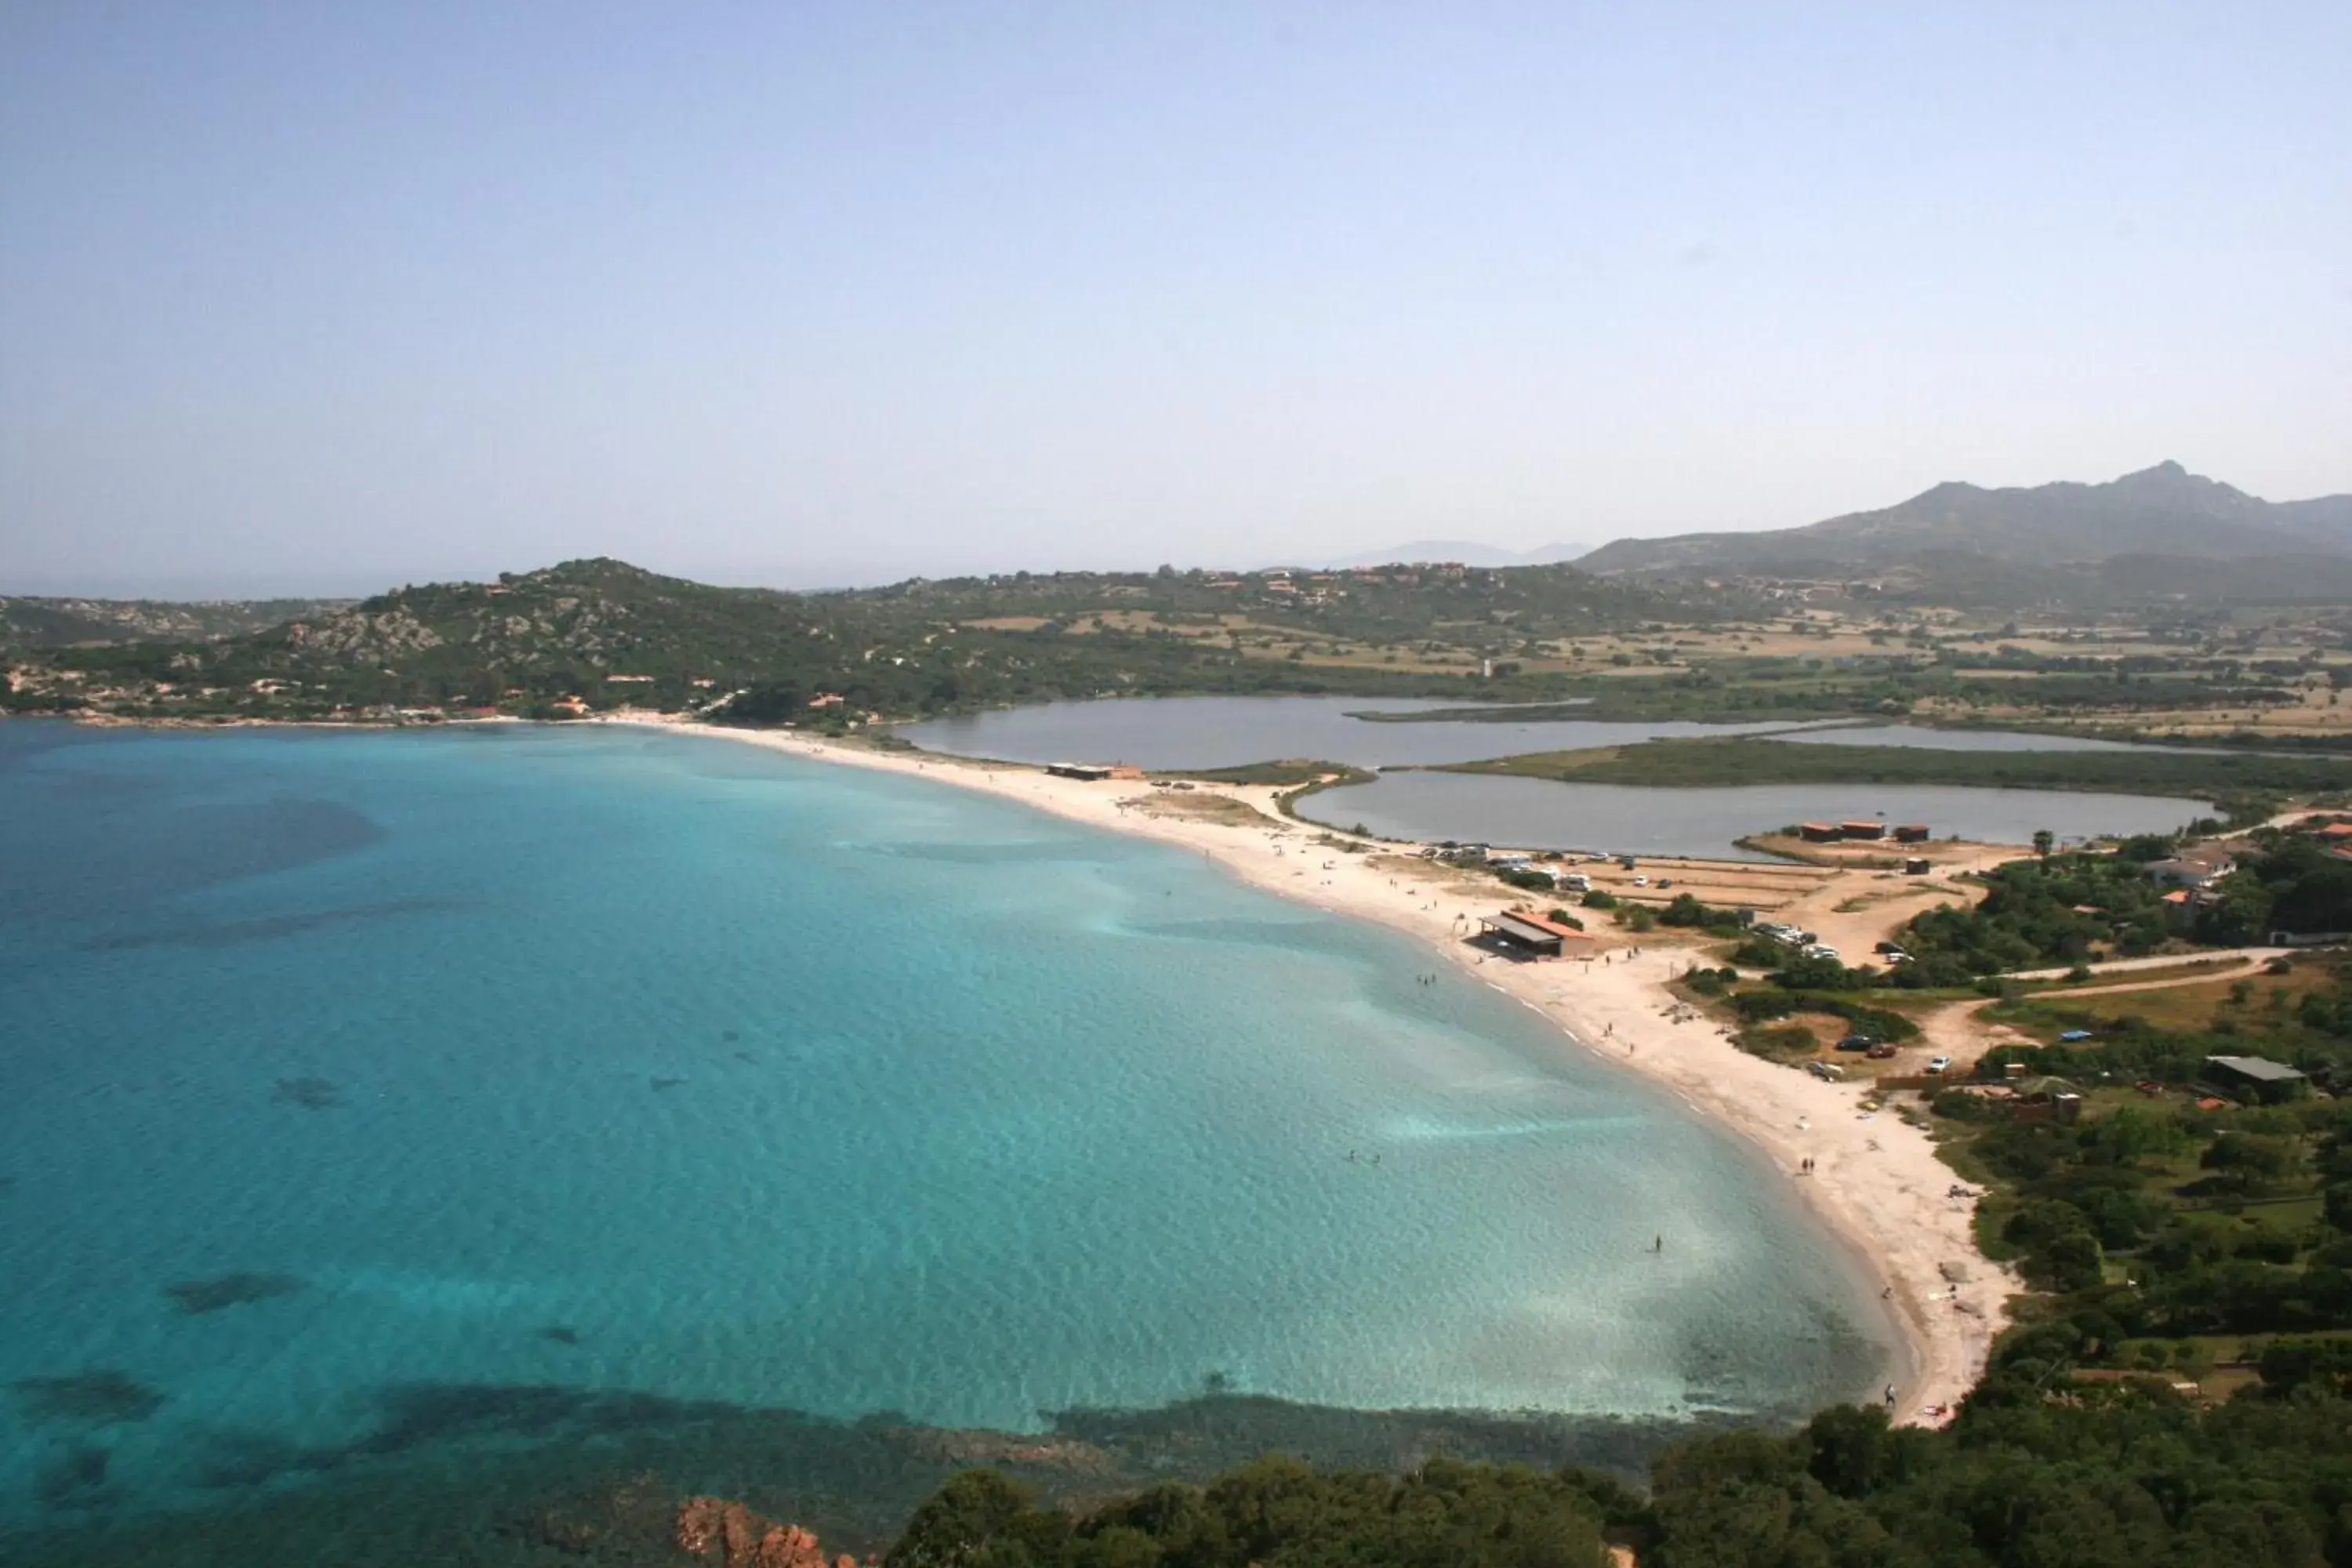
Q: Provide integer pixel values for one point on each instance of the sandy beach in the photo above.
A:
(1874, 1179)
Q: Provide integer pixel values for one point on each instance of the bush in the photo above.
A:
(1600, 899)
(1778, 1041)
(1686, 911)
(1711, 981)
(1562, 918)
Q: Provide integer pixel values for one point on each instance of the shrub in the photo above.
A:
(1776, 1041)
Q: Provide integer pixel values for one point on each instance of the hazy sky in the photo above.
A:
(333, 295)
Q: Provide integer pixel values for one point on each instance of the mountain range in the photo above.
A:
(2163, 513)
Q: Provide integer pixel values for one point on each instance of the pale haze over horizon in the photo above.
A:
(321, 298)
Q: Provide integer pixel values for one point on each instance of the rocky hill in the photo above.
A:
(2165, 519)
(62, 622)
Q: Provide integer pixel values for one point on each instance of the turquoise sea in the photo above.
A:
(357, 1083)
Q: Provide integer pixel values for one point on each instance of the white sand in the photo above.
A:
(1876, 1181)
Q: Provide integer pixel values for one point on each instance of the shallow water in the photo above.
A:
(348, 1071)
(1637, 820)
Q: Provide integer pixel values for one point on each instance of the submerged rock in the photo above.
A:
(559, 1333)
(198, 1296)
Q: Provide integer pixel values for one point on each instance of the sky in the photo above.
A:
(325, 297)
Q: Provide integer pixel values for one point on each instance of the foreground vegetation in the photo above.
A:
(2116, 1475)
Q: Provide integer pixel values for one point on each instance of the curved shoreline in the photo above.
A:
(1876, 1183)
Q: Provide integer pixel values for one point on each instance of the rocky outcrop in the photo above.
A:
(727, 1533)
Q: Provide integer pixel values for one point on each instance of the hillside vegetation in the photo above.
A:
(598, 634)
(37, 623)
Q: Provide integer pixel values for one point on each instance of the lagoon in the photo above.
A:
(1531, 813)
(1227, 732)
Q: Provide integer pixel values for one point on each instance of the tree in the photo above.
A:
(2044, 841)
(961, 1524)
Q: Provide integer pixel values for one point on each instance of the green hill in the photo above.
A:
(609, 634)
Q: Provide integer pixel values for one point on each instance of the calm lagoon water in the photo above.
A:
(342, 1067)
(1223, 732)
(1226, 731)
(1631, 819)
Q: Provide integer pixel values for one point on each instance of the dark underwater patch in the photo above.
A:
(76, 1479)
(115, 861)
(272, 928)
(198, 1296)
(102, 1398)
(310, 1093)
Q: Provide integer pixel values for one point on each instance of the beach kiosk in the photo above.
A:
(1531, 936)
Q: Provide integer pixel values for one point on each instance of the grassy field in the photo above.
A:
(2267, 998)
(1699, 763)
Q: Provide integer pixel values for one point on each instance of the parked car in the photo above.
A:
(1576, 881)
(1641, 881)
(1941, 1064)
(1817, 950)
(1829, 1070)
(1880, 1052)
(1856, 1043)
(1888, 947)
(2071, 1036)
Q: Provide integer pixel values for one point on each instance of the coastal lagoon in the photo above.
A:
(374, 1097)
(1227, 732)
(1637, 820)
